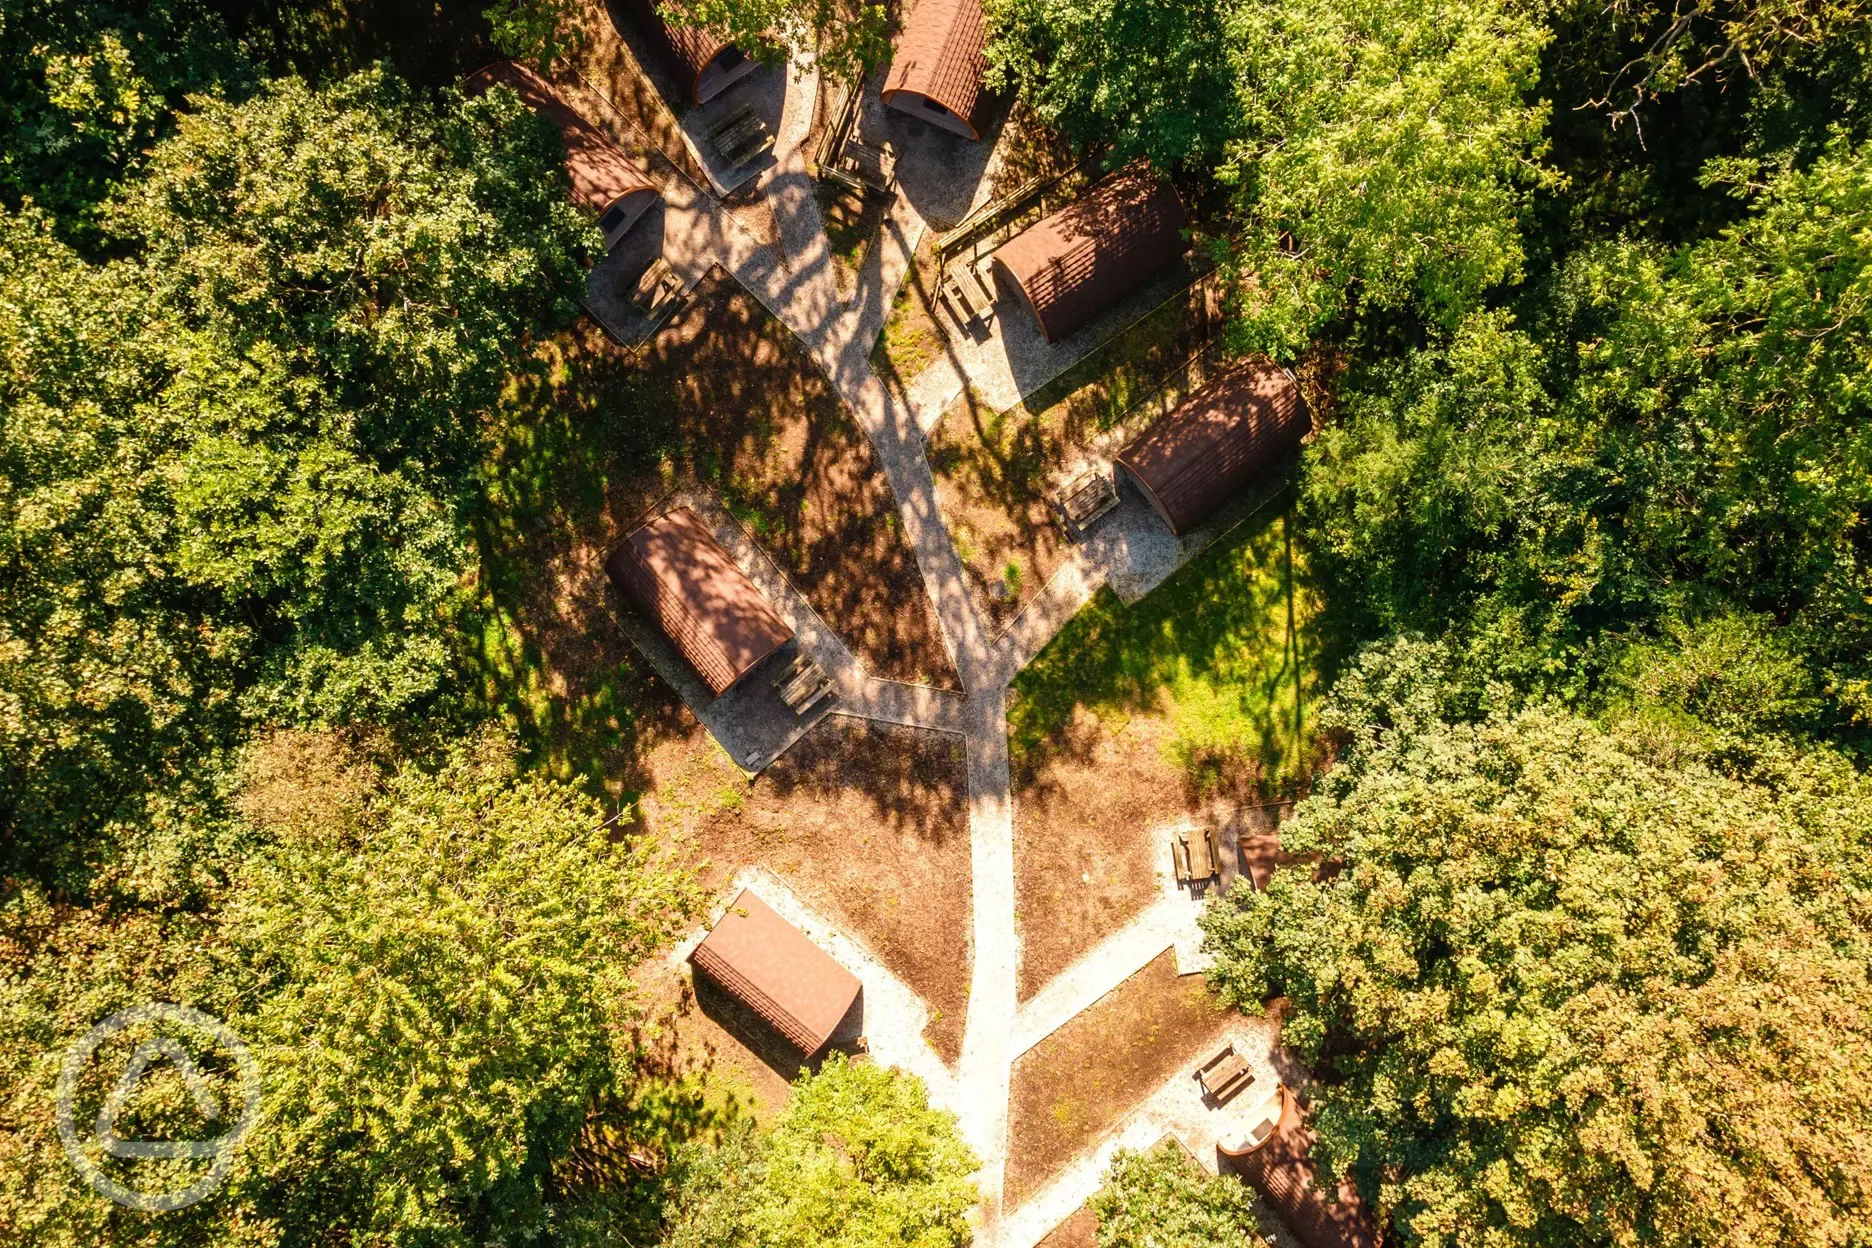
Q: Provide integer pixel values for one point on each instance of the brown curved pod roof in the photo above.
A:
(676, 573)
(1073, 265)
(768, 965)
(687, 51)
(939, 57)
(1282, 1170)
(1195, 458)
(601, 174)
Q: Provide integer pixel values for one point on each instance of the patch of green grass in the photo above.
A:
(1212, 648)
(1100, 388)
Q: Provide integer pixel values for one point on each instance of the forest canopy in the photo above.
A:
(1578, 296)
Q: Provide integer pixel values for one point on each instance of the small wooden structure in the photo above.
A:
(1281, 1168)
(675, 572)
(657, 292)
(802, 684)
(740, 137)
(1194, 851)
(937, 66)
(604, 181)
(846, 159)
(1197, 457)
(1223, 1076)
(770, 966)
(704, 64)
(1086, 497)
(1257, 1128)
(968, 291)
(1071, 266)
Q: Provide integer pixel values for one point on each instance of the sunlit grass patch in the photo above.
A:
(1227, 649)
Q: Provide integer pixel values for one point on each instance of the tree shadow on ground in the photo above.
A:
(1214, 648)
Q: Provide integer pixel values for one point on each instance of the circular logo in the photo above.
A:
(221, 1149)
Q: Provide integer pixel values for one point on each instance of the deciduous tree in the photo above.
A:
(1562, 995)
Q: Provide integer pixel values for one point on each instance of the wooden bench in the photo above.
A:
(874, 168)
(801, 684)
(1224, 1075)
(967, 299)
(657, 291)
(1194, 853)
(740, 137)
(1086, 497)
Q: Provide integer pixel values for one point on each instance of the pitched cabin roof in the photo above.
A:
(1073, 265)
(1282, 1170)
(1197, 457)
(601, 174)
(771, 967)
(686, 50)
(939, 56)
(675, 572)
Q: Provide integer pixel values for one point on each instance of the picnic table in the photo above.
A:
(657, 291)
(1194, 853)
(1224, 1075)
(968, 290)
(740, 137)
(872, 168)
(1086, 497)
(802, 684)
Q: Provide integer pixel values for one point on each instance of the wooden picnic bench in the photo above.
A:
(1086, 497)
(967, 296)
(802, 684)
(1194, 852)
(657, 291)
(872, 168)
(740, 137)
(1224, 1075)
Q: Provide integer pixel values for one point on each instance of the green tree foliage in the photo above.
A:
(1149, 79)
(230, 464)
(1379, 154)
(84, 89)
(1565, 995)
(1698, 449)
(846, 38)
(1164, 1199)
(857, 1159)
(432, 967)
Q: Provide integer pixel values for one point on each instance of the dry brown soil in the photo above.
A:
(867, 822)
(725, 400)
(1084, 856)
(1078, 1231)
(1083, 1079)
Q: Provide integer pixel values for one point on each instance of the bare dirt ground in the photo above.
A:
(1078, 1231)
(1084, 857)
(723, 399)
(760, 423)
(1084, 1078)
(867, 822)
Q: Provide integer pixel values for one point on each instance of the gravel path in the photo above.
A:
(795, 279)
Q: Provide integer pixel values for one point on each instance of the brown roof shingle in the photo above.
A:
(687, 50)
(676, 573)
(601, 173)
(769, 965)
(939, 56)
(1282, 1170)
(1073, 265)
(1195, 458)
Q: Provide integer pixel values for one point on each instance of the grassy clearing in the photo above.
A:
(911, 340)
(1213, 649)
